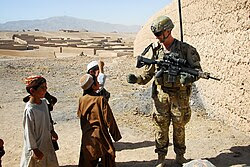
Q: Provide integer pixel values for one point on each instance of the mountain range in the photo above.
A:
(66, 22)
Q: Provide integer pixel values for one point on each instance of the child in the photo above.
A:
(95, 68)
(38, 149)
(97, 121)
(51, 102)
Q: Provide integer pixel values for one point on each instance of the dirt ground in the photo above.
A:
(205, 138)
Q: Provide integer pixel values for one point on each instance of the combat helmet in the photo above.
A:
(161, 23)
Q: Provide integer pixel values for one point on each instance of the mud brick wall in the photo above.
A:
(219, 29)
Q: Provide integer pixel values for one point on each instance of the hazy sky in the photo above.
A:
(128, 12)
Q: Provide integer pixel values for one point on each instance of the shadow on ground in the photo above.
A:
(129, 146)
(169, 162)
(239, 155)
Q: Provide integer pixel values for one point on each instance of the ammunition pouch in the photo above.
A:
(164, 81)
(176, 89)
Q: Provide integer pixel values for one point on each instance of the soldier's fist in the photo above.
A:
(131, 78)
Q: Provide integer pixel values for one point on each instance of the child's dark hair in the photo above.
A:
(35, 84)
(94, 68)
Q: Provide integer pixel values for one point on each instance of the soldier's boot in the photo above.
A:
(180, 159)
(161, 160)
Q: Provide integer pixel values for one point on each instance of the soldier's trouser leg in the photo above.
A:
(161, 118)
(179, 139)
(181, 114)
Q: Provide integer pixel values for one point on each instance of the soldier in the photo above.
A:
(171, 99)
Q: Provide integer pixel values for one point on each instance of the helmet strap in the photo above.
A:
(165, 37)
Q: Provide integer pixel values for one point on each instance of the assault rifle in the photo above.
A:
(173, 65)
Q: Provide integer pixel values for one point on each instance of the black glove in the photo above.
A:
(131, 78)
(187, 78)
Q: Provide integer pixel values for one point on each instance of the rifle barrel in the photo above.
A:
(217, 79)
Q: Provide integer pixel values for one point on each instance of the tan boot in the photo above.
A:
(180, 159)
(161, 160)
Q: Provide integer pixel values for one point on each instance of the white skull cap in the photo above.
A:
(91, 65)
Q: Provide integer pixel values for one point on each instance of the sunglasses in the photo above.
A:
(157, 34)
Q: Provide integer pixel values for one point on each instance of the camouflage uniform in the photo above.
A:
(171, 100)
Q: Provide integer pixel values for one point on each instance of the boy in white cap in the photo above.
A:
(95, 68)
(97, 124)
